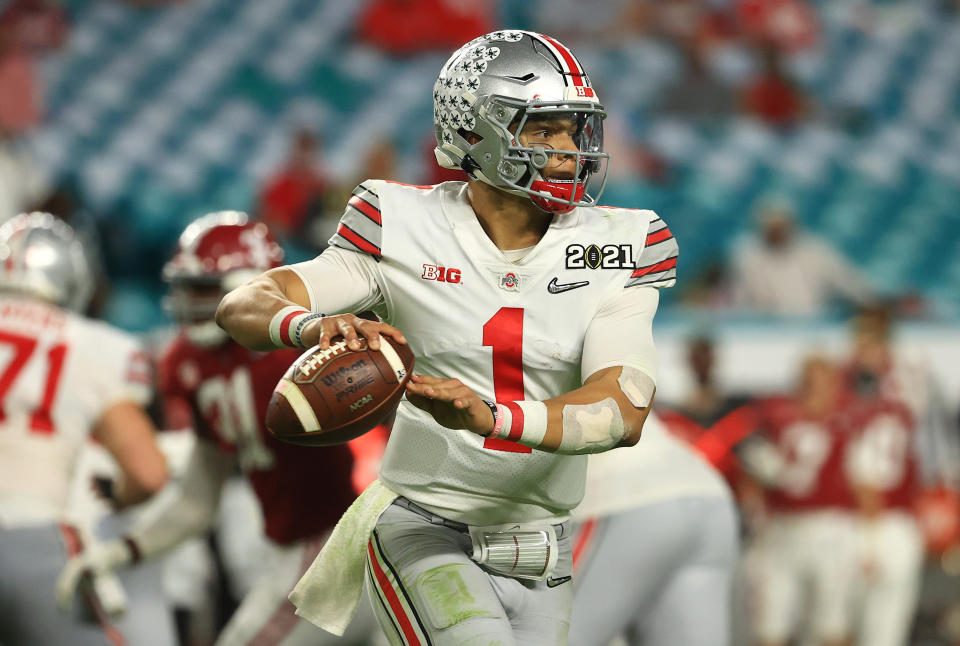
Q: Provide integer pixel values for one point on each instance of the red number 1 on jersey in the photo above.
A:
(23, 347)
(504, 333)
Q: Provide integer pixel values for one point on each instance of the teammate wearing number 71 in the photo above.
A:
(527, 363)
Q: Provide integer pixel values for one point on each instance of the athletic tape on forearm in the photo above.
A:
(524, 422)
(284, 323)
(591, 428)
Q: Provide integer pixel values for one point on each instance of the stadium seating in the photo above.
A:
(163, 113)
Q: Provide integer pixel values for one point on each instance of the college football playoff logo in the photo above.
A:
(609, 256)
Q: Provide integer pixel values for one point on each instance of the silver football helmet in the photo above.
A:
(42, 256)
(497, 82)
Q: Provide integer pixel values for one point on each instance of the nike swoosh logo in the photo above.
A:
(558, 288)
(552, 583)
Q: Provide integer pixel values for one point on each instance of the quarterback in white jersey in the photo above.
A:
(63, 379)
(529, 309)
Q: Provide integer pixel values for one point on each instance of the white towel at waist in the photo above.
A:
(327, 595)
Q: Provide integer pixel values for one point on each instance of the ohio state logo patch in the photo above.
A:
(510, 282)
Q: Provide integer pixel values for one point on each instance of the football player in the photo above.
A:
(883, 470)
(64, 378)
(714, 422)
(654, 548)
(224, 389)
(529, 309)
(801, 561)
(901, 445)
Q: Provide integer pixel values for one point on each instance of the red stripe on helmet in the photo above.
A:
(576, 72)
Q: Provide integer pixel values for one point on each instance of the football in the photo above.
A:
(331, 396)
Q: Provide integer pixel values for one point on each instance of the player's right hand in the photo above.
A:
(351, 327)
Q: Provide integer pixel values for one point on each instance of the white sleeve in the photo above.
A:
(621, 333)
(187, 508)
(340, 281)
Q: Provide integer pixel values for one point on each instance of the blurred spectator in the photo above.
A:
(404, 27)
(709, 288)
(379, 162)
(601, 22)
(789, 24)
(678, 20)
(781, 270)
(295, 192)
(27, 28)
(698, 94)
(22, 185)
(773, 96)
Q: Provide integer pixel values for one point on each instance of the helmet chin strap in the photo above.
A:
(206, 335)
(563, 189)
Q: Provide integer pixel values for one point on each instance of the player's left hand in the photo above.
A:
(98, 562)
(450, 403)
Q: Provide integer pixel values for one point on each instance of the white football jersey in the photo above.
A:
(508, 330)
(59, 372)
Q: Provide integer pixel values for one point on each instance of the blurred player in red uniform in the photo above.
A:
(805, 547)
(63, 379)
(223, 389)
(900, 448)
(712, 421)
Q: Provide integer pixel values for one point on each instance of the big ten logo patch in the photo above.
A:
(440, 274)
(609, 256)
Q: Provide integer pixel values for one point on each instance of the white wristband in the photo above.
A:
(524, 422)
(284, 323)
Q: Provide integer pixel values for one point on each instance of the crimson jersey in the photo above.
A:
(882, 453)
(813, 451)
(715, 436)
(302, 490)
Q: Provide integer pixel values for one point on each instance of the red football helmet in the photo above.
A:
(215, 253)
